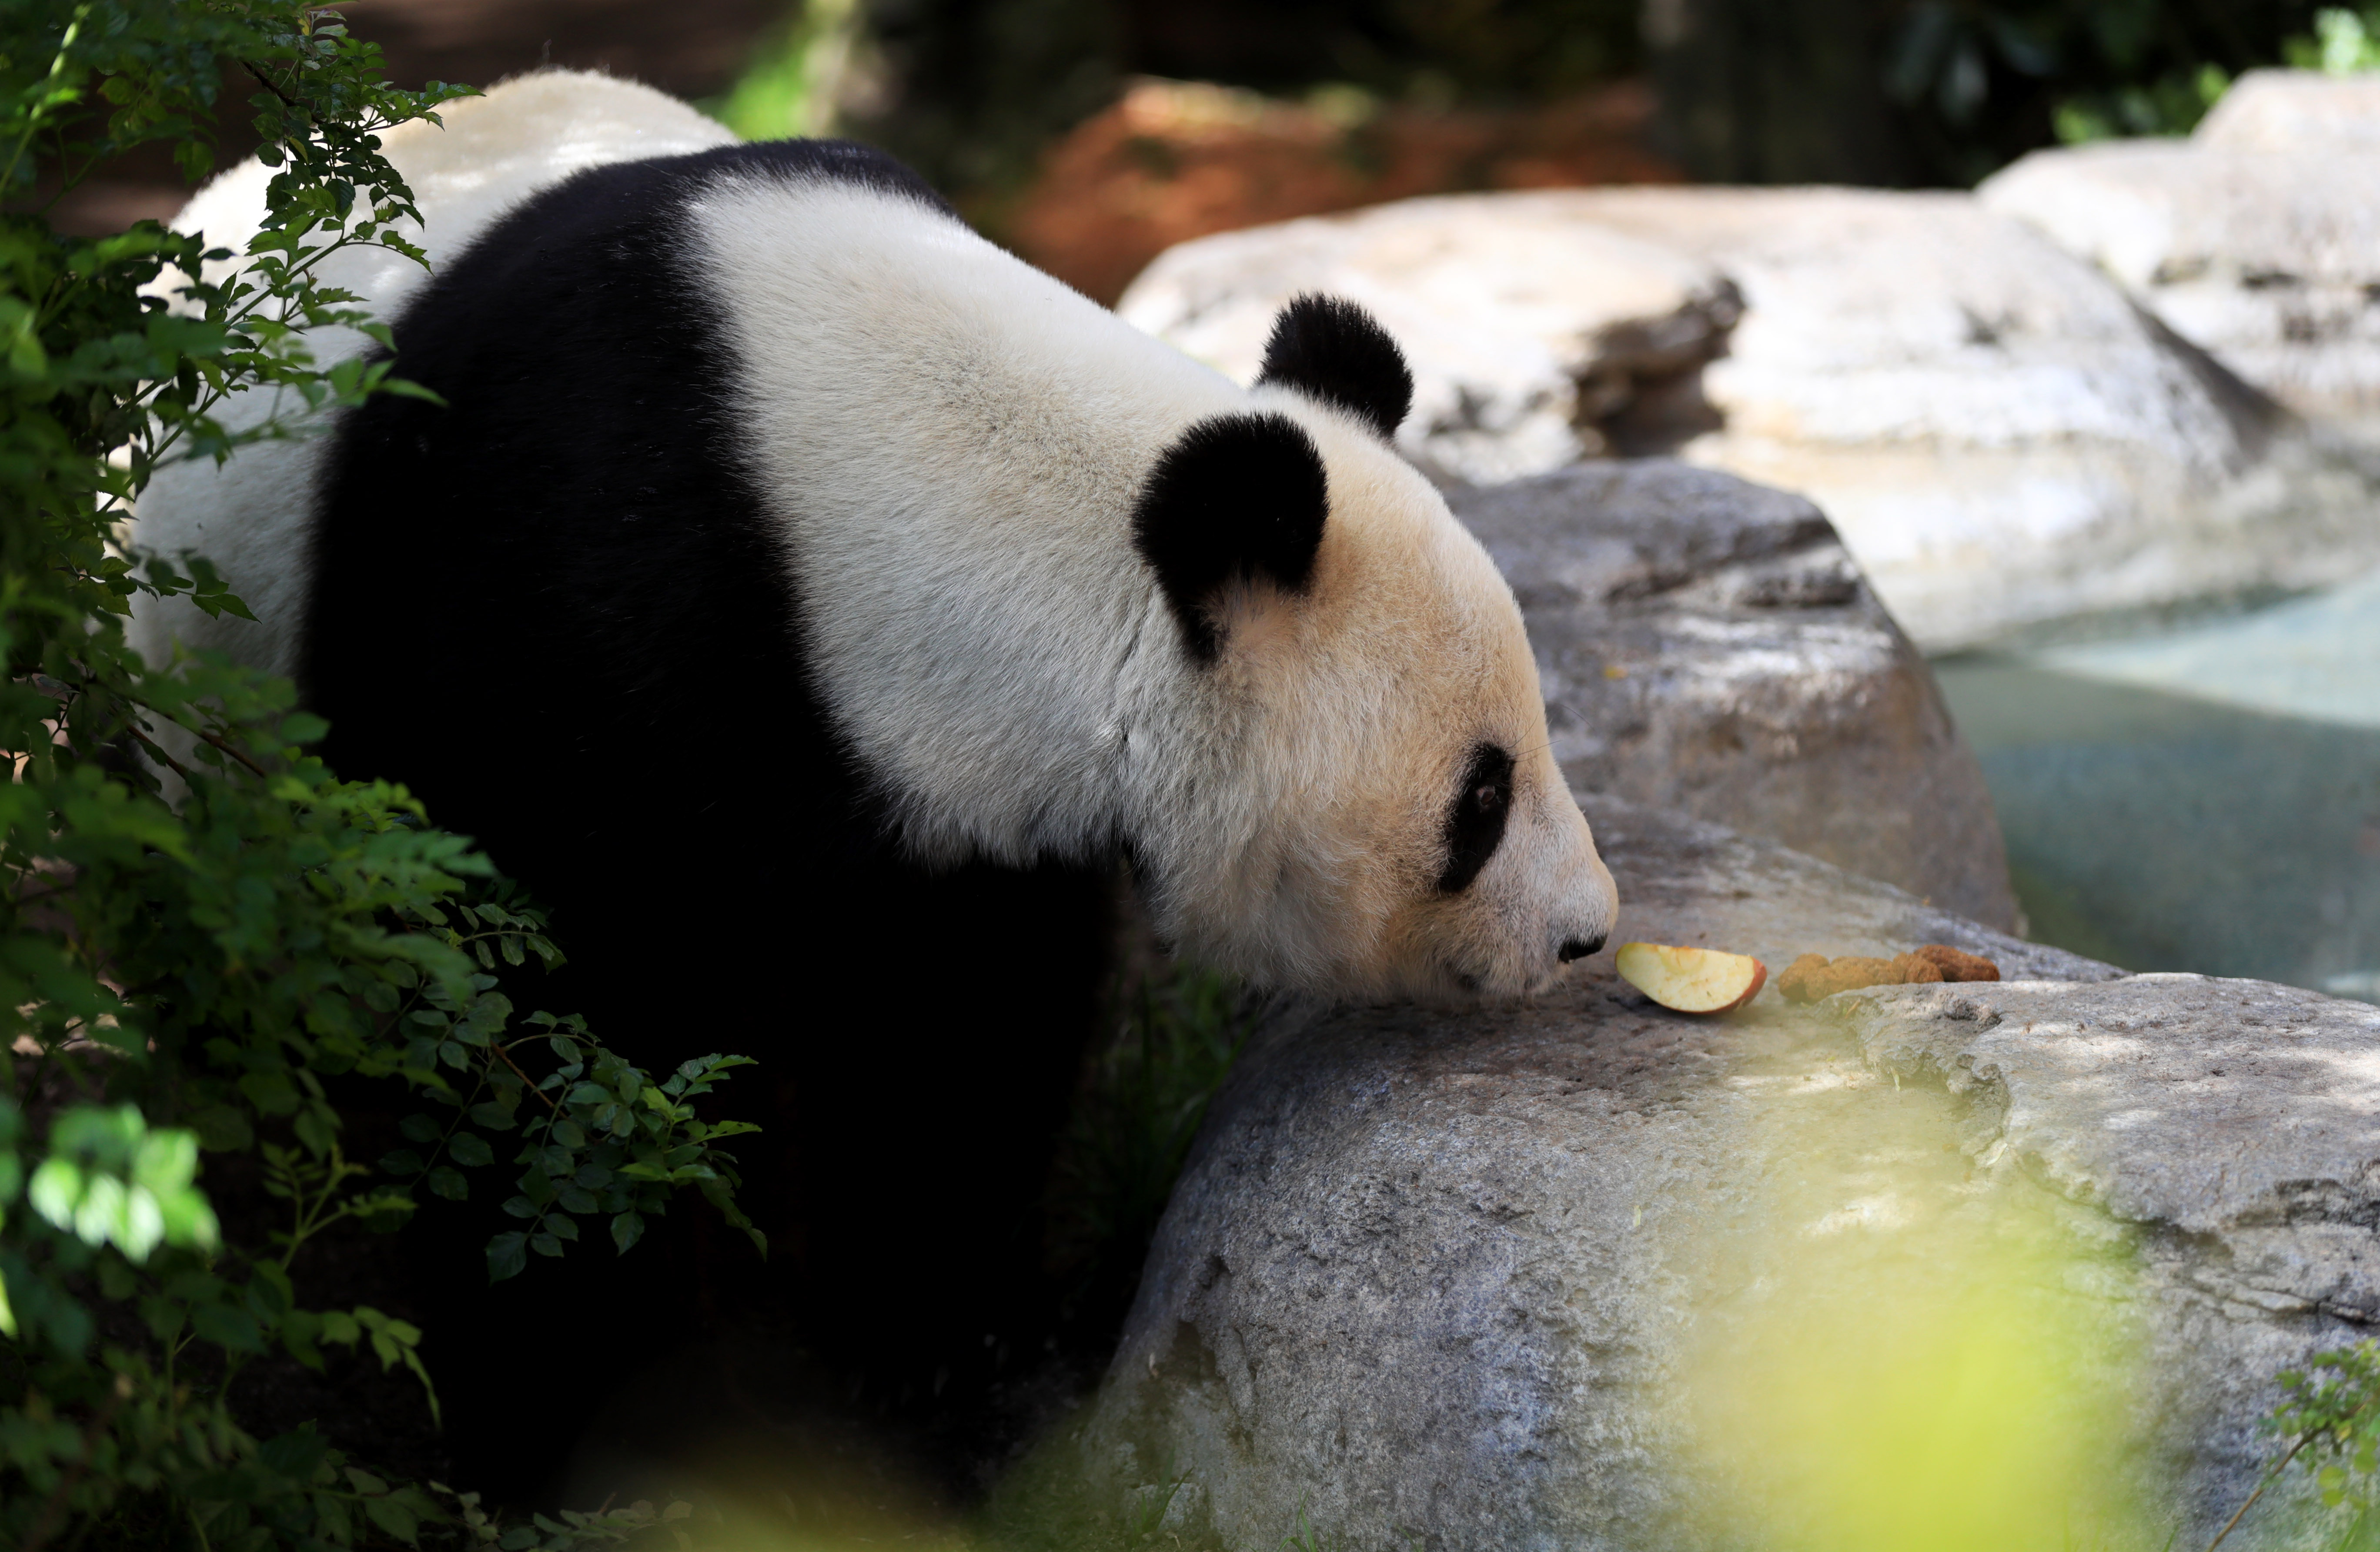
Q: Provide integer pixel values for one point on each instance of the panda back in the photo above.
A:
(564, 569)
(253, 516)
(951, 442)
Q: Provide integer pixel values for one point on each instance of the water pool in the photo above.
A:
(2203, 799)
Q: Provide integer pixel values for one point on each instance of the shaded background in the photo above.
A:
(977, 92)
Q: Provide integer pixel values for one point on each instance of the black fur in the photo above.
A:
(553, 608)
(1337, 352)
(1236, 498)
(1474, 825)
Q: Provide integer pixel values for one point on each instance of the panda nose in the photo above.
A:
(1577, 947)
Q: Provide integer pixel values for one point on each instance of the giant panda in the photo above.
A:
(815, 605)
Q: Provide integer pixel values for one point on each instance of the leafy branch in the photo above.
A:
(2333, 1412)
(183, 968)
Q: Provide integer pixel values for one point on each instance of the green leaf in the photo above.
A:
(470, 1150)
(227, 1327)
(448, 1183)
(222, 1129)
(545, 1244)
(508, 1255)
(316, 1128)
(272, 1093)
(299, 1330)
(297, 1454)
(393, 1517)
(492, 1115)
(627, 1228)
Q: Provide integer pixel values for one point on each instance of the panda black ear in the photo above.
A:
(1235, 498)
(1337, 352)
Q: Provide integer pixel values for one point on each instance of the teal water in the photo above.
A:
(2207, 800)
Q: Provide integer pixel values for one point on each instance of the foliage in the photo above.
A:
(2344, 43)
(1304, 1537)
(1981, 81)
(796, 76)
(2329, 1413)
(2341, 43)
(204, 926)
(2123, 69)
(609, 1141)
(1178, 1030)
(2170, 105)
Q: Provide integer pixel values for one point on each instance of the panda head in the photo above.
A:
(1361, 798)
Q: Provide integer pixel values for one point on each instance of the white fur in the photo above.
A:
(955, 440)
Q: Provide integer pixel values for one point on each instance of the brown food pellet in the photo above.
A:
(1794, 983)
(1812, 976)
(1915, 969)
(1957, 967)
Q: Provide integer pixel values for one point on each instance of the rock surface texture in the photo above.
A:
(1707, 645)
(2308, 112)
(1441, 1281)
(2257, 238)
(1526, 328)
(2002, 436)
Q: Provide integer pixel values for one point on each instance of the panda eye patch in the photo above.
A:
(1474, 825)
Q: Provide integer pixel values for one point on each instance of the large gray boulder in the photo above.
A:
(2002, 436)
(1474, 1280)
(2257, 238)
(1707, 645)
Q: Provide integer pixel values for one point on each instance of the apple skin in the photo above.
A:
(1692, 980)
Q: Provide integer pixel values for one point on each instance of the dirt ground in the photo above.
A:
(1177, 160)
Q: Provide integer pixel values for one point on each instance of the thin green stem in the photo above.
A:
(33, 121)
(447, 1136)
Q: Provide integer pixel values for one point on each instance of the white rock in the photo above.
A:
(1523, 326)
(2253, 241)
(2304, 111)
(1999, 435)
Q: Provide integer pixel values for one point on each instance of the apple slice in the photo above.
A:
(1692, 980)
